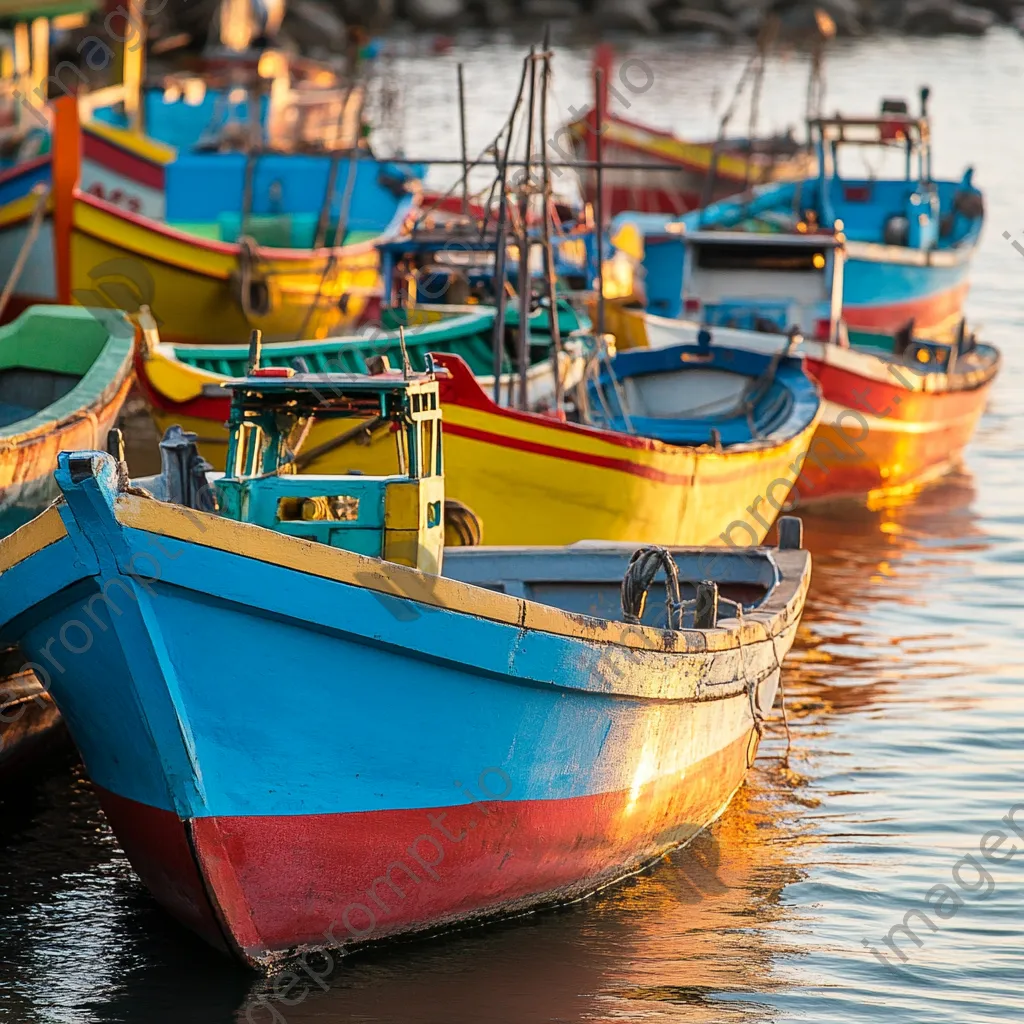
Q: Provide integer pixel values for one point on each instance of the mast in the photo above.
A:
(525, 285)
(599, 111)
(501, 242)
(462, 140)
(549, 257)
(133, 65)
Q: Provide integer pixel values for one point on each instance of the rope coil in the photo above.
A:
(640, 573)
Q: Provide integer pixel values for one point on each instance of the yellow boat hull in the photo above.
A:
(195, 287)
(532, 479)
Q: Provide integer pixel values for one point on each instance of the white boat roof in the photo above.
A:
(797, 240)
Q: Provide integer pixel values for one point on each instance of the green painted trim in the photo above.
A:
(467, 334)
(14, 11)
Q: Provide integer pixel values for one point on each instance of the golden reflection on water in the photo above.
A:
(700, 937)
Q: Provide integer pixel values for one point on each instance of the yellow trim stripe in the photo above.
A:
(30, 539)
(208, 530)
(139, 240)
(141, 145)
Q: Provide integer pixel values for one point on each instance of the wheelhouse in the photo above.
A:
(274, 412)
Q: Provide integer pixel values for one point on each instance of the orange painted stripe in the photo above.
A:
(67, 165)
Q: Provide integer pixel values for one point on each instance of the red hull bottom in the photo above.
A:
(839, 468)
(276, 886)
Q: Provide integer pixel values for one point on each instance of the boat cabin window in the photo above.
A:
(248, 450)
(890, 148)
(782, 274)
(729, 256)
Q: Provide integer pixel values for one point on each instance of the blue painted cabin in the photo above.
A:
(909, 238)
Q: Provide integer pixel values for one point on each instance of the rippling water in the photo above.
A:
(905, 705)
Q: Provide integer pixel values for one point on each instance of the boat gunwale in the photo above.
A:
(36, 535)
(477, 400)
(153, 228)
(731, 166)
(871, 365)
(173, 352)
(799, 389)
(480, 401)
(777, 612)
(25, 168)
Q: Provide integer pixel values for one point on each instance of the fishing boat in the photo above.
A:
(655, 171)
(182, 384)
(909, 238)
(899, 408)
(589, 739)
(534, 478)
(64, 375)
(230, 100)
(282, 268)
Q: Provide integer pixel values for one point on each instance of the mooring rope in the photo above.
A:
(26, 247)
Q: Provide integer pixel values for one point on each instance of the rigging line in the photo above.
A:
(493, 146)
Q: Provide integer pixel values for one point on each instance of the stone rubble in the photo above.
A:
(724, 19)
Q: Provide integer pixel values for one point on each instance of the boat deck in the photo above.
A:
(586, 578)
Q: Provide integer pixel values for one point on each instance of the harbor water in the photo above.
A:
(905, 698)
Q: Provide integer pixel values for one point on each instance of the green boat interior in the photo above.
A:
(54, 360)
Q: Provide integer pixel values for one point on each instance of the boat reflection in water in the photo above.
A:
(867, 560)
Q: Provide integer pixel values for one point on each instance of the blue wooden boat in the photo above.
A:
(522, 730)
(731, 398)
(909, 239)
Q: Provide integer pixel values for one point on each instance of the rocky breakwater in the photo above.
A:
(725, 19)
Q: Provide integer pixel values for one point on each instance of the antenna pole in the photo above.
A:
(463, 140)
(525, 283)
(255, 351)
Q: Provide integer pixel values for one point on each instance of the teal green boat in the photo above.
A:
(64, 375)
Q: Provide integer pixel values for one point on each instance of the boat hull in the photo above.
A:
(103, 246)
(669, 175)
(27, 460)
(407, 871)
(37, 283)
(194, 286)
(886, 429)
(885, 287)
(487, 771)
(534, 480)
